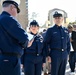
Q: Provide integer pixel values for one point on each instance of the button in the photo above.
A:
(62, 49)
(62, 37)
(37, 54)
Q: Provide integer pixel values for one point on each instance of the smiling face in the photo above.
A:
(34, 29)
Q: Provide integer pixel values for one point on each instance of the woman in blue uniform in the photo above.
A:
(33, 55)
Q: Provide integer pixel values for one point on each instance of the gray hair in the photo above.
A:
(5, 4)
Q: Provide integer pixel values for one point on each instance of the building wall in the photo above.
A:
(23, 15)
(0, 6)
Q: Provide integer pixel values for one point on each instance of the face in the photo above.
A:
(34, 29)
(13, 10)
(70, 30)
(58, 20)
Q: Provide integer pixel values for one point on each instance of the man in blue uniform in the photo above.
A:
(57, 38)
(12, 39)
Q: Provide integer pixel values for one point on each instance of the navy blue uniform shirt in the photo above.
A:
(58, 38)
(35, 51)
(12, 36)
(36, 46)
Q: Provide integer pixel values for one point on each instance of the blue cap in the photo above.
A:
(12, 2)
(56, 14)
(34, 22)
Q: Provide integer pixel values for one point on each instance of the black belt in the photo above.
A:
(10, 54)
(58, 49)
(32, 53)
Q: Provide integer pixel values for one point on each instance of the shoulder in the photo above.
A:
(65, 30)
(73, 32)
(43, 34)
(39, 36)
(7, 18)
(49, 30)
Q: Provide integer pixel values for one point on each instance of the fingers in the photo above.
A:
(43, 65)
(30, 43)
(49, 59)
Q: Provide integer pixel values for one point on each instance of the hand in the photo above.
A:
(30, 43)
(71, 40)
(43, 65)
(21, 66)
(49, 59)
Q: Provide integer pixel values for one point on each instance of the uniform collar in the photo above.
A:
(33, 34)
(4, 12)
(58, 26)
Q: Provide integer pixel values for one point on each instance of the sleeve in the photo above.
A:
(74, 36)
(68, 44)
(22, 59)
(14, 29)
(46, 43)
(47, 37)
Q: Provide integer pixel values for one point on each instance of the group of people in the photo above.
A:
(16, 48)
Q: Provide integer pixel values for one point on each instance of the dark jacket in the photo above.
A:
(74, 40)
(36, 46)
(12, 36)
(34, 53)
(57, 38)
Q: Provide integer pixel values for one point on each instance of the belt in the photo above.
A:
(32, 53)
(10, 54)
(58, 49)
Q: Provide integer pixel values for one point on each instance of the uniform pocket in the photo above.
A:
(6, 67)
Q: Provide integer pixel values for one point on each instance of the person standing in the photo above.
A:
(33, 55)
(72, 56)
(13, 39)
(57, 37)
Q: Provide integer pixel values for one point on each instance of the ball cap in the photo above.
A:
(56, 14)
(12, 2)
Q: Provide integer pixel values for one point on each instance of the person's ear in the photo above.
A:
(11, 7)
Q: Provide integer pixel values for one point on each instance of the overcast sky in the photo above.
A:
(41, 7)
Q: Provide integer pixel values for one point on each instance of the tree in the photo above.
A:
(34, 15)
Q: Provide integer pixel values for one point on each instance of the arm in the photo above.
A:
(46, 43)
(13, 28)
(73, 36)
(68, 44)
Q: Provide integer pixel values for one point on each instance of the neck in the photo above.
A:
(9, 11)
(33, 33)
(59, 25)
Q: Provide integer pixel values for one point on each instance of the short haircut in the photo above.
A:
(70, 26)
(6, 4)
